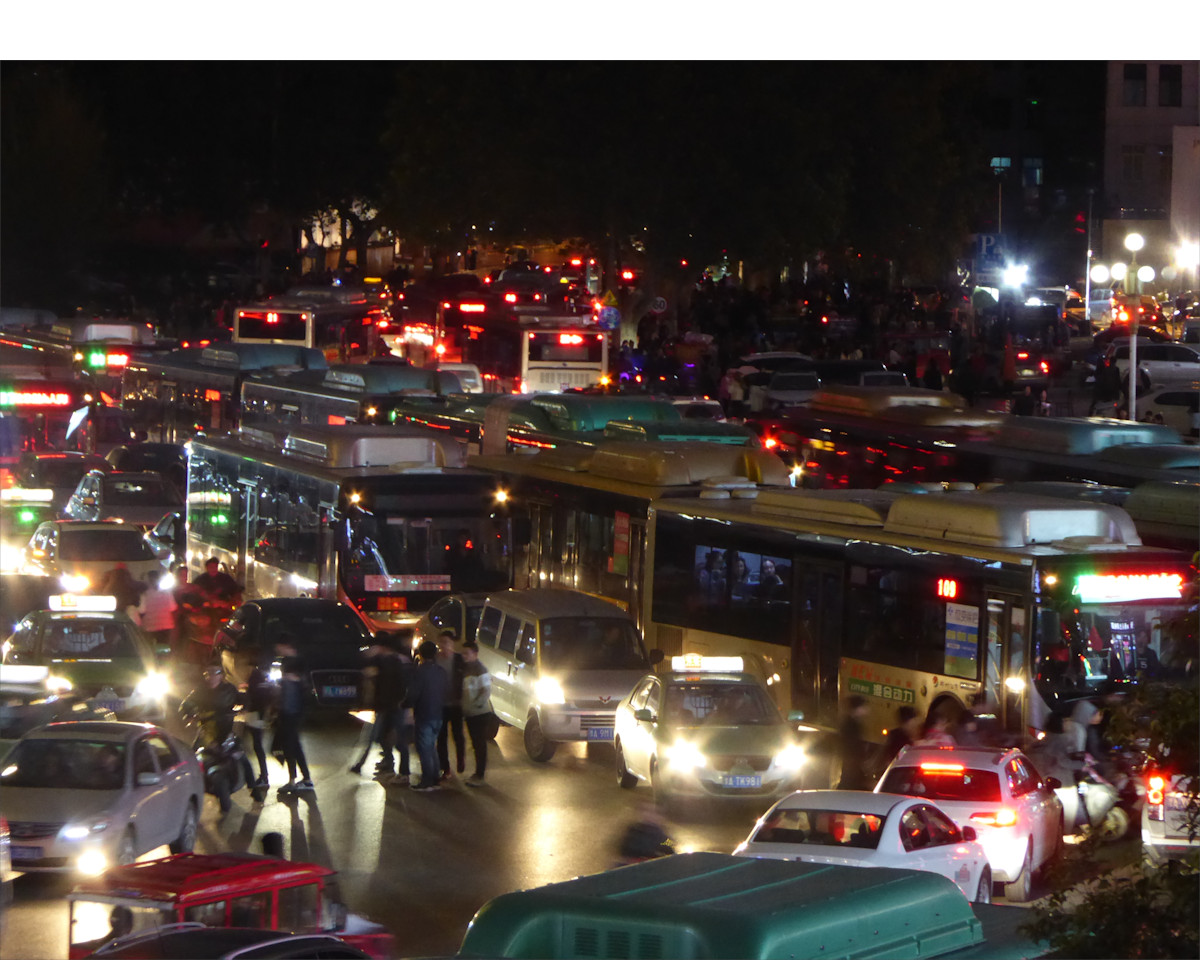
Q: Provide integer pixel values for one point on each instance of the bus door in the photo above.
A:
(816, 642)
(327, 565)
(1006, 680)
(247, 514)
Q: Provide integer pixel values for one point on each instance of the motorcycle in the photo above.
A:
(1092, 804)
(224, 767)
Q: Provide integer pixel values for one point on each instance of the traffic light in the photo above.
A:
(1080, 222)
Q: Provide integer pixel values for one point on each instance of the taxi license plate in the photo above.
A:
(742, 781)
(25, 853)
(116, 706)
(600, 733)
(341, 692)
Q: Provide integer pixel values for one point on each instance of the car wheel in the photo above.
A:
(1021, 889)
(186, 841)
(984, 893)
(126, 849)
(625, 779)
(1115, 825)
(536, 745)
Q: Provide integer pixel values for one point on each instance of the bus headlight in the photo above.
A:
(791, 758)
(153, 686)
(685, 756)
(74, 582)
(548, 690)
(58, 684)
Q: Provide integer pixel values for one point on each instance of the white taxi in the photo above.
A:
(706, 729)
(998, 792)
(80, 552)
(854, 828)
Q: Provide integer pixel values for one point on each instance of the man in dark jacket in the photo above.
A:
(426, 697)
(388, 669)
(853, 747)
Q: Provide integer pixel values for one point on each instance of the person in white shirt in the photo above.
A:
(157, 608)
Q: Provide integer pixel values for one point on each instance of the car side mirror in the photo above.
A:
(148, 779)
(1053, 783)
(656, 657)
(969, 834)
(643, 715)
(795, 716)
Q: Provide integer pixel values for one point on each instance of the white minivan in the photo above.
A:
(560, 662)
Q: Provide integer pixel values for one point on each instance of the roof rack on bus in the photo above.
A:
(985, 519)
(1079, 434)
(710, 430)
(370, 446)
(261, 356)
(913, 406)
(386, 378)
(680, 464)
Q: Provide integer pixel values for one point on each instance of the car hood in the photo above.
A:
(605, 688)
(94, 570)
(89, 676)
(37, 805)
(734, 740)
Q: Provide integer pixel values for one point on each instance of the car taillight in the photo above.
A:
(1154, 790)
(999, 818)
(1044, 366)
(510, 298)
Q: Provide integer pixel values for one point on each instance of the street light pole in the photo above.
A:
(1133, 243)
(1087, 268)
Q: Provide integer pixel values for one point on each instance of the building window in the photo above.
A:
(1165, 157)
(1134, 90)
(1133, 160)
(1032, 172)
(1001, 164)
(1170, 85)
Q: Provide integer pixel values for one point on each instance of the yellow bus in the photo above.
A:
(927, 599)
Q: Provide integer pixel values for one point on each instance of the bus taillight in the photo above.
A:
(570, 338)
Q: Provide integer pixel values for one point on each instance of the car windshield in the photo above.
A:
(66, 472)
(822, 828)
(944, 781)
(65, 764)
(114, 543)
(120, 492)
(88, 639)
(592, 643)
(719, 704)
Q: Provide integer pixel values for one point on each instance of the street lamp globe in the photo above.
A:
(1188, 256)
(1134, 242)
(1145, 274)
(1100, 273)
(1119, 270)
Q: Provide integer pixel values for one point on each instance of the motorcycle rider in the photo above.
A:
(213, 703)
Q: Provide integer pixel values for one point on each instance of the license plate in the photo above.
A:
(742, 781)
(340, 692)
(25, 853)
(600, 733)
(116, 706)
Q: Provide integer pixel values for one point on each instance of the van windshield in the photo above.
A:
(592, 643)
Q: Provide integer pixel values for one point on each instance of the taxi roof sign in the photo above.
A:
(697, 663)
(74, 603)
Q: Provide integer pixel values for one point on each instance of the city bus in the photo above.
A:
(854, 437)
(515, 354)
(586, 507)
(344, 325)
(177, 395)
(385, 519)
(344, 393)
(933, 600)
(56, 412)
(500, 423)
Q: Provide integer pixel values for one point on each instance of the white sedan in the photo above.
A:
(82, 795)
(858, 829)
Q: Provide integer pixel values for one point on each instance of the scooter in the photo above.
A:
(1092, 805)
(224, 767)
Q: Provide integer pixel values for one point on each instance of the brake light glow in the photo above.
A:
(1154, 790)
(626, 274)
(931, 767)
(510, 298)
(470, 308)
(1045, 367)
(576, 262)
(1004, 817)
(770, 443)
(570, 338)
(1022, 355)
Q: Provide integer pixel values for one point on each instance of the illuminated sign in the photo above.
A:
(1120, 588)
(101, 359)
(571, 338)
(947, 588)
(471, 307)
(212, 395)
(33, 398)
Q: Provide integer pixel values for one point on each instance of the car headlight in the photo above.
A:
(792, 757)
(80, 831)
(92, 862)
(275, 674)
(58, 684)
(685, 756)
(74, 582)
(549, 690)
(153, 686)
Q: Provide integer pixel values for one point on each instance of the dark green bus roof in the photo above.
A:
(714, 905)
